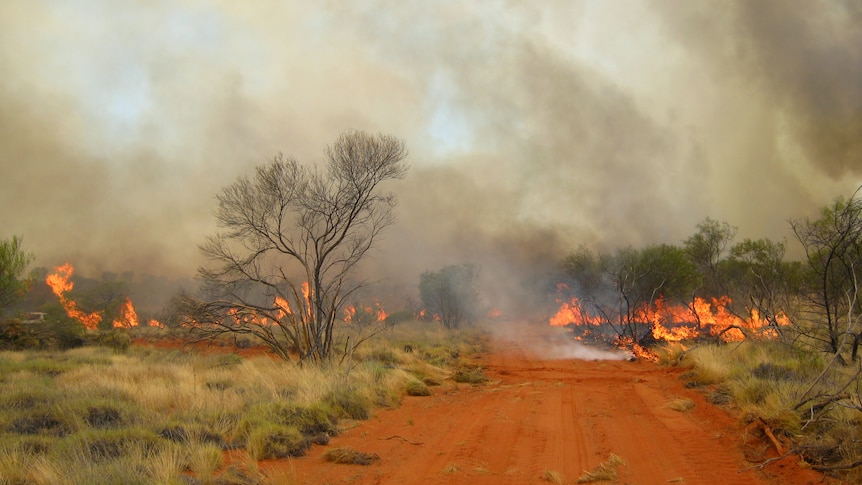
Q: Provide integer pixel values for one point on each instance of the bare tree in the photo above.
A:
(833, 255)
(451, 294)
(290, 238)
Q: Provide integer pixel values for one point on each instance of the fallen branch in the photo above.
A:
(763, 464)
(771, 436)
(401, 438)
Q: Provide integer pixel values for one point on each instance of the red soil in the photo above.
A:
(565, 416)
(537, 416)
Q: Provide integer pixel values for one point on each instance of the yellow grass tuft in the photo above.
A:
(552, 476)
(681, 404)
(606, 471)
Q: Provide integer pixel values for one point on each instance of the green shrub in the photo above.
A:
(104, 416)
(417, 388)
(275, 441)
(349, 402)
(116, 339)
(110, 444)
(49, 421)
(311, 420)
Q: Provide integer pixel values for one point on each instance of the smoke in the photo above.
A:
(550, 343)
(532, 130)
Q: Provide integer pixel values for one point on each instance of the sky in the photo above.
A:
(533, 127)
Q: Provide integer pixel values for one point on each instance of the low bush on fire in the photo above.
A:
(152, 415)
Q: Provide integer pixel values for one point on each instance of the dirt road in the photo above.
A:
(541, 419)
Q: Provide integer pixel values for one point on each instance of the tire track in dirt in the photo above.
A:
(539, 415)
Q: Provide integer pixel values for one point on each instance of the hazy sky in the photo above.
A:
(533, 126)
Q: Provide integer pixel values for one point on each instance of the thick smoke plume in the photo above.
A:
(532, 128)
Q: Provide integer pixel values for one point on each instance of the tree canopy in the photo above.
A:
(13, 262)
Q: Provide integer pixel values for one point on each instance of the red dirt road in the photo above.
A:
(536, 416)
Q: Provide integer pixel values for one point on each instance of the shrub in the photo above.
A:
(417, 388)
(100, 446)
(275, 441)
(117, 339)
(468, 375)
(103, 416)
(310, 420)
(349, 402)
(42, 421)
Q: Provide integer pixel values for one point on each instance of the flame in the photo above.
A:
(128, 316)
(366, 313)
(571, 312)
(283, 307)
(61, 283)
(349, 313)
(676, 323)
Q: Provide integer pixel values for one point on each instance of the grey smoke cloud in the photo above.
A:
(532, 128)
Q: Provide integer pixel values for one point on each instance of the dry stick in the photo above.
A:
(760, 466)
(401, 438)
(768, 431)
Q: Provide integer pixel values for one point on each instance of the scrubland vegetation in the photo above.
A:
(147, 415)
(790, 398)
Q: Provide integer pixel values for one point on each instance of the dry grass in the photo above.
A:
(710, 365)
(606, 471)
(681, 404)
(552, 476)
(90, 415)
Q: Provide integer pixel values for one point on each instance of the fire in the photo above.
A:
(283, 307)
(362, 313)
(349, 313)
(128, 316)
(571, 312)
(674, 323)
(61, 283)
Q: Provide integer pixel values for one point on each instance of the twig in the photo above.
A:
(401, 438)
(760, 466)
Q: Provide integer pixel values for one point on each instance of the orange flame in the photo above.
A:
(680, 322)
(349, 313)
(60, 283)
(571, 312)
(366, 313)
(128, 316)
